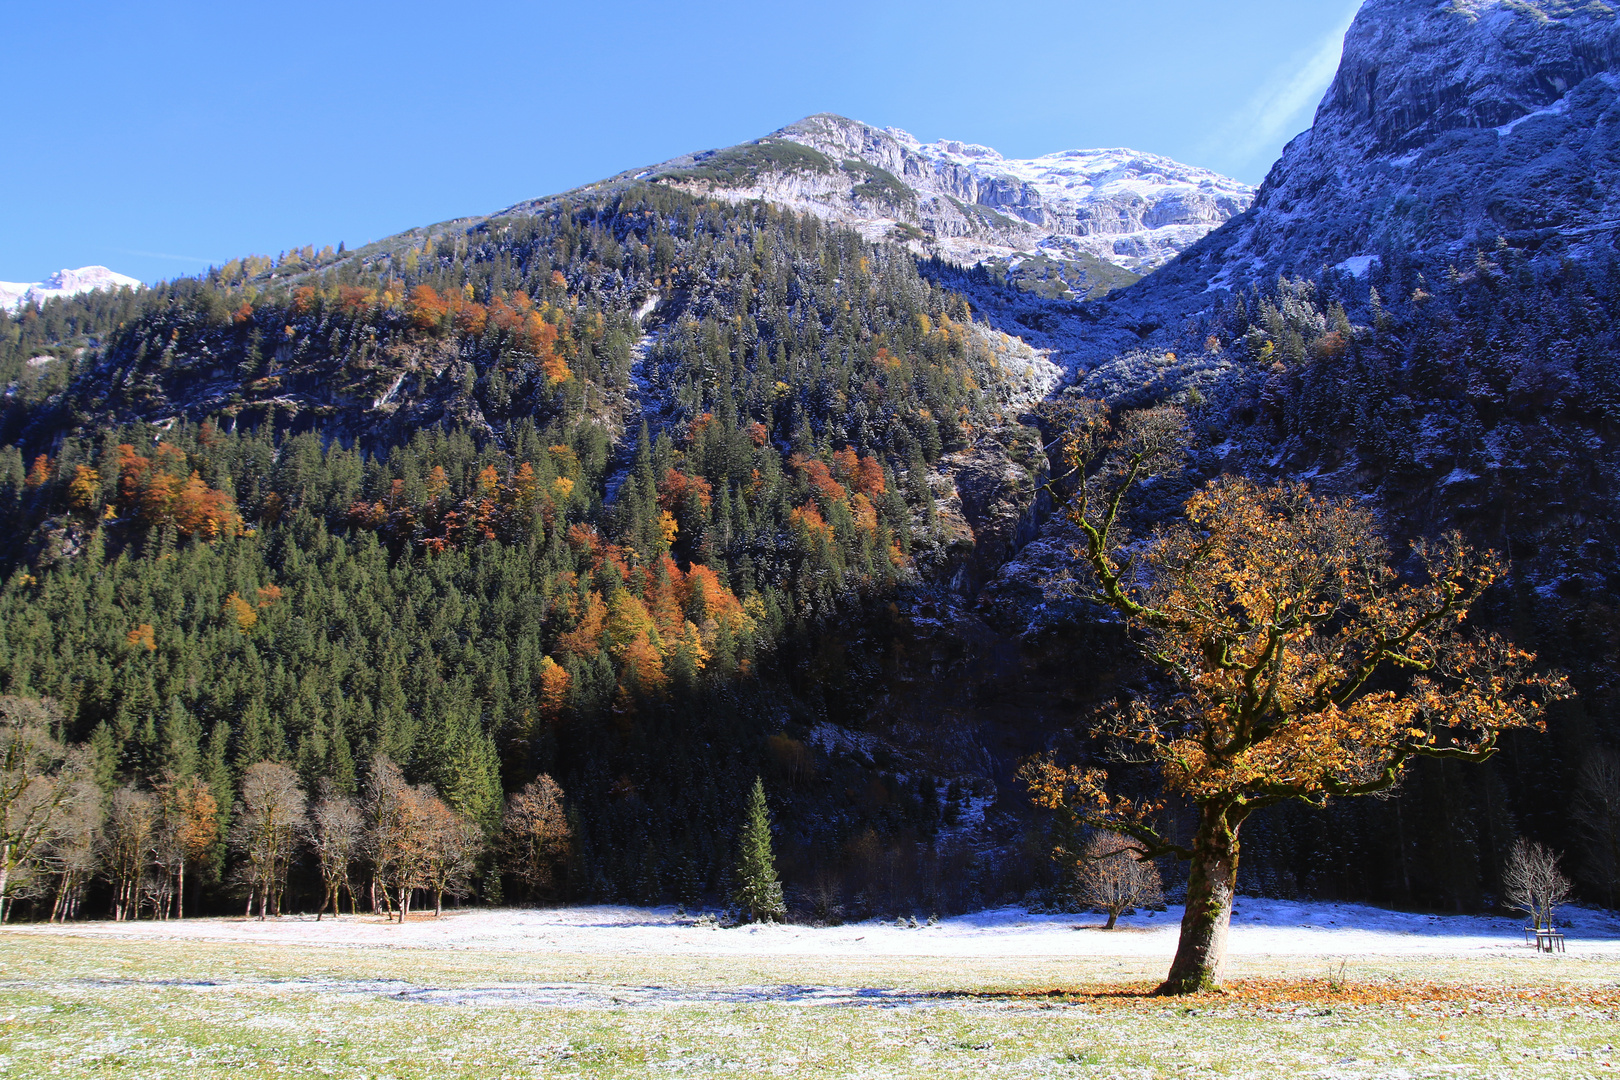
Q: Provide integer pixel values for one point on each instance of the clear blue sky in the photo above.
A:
(159, 137)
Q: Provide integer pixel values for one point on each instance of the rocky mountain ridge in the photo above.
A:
(1078, 223)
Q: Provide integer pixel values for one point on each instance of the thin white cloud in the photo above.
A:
(1283, 106)
(164, 255)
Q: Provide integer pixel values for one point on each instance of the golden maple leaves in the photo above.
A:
(1304, 666)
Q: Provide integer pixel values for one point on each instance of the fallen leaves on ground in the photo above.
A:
(1293, 996)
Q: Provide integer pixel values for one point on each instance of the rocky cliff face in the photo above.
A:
(1095, 210)
(1449, 125)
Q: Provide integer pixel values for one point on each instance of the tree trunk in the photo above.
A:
(180, 890)
(1113, 917)
(1211, 879)
(438, 902)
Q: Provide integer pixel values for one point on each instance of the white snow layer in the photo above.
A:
(1072, 177)
(1259, 928)
(13, 294)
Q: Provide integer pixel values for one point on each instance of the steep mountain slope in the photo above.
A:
(62, 283)
(1079, 222)
(1449, 125)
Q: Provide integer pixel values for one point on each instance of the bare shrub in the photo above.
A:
(1110, 876)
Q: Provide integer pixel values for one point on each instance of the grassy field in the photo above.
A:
(76, 1006)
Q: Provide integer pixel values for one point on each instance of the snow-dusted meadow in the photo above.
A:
(1316, 990)
(1259, 928)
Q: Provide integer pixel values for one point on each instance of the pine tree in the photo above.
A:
(759, 893)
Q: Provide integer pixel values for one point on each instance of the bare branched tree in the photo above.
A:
(268, 821)
(535, 835)
(1597, 815)
(74, 856)
(1111, 875)
(132, 824)
(1532, 882)
(388, 803)
(189, 827)
(452, 845)
(336, 835)
(37, 775)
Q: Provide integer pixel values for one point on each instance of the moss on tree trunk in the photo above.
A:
(1211, 880)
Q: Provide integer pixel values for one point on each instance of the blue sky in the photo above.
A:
(157, 138)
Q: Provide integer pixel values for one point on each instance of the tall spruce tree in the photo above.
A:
(759, 892)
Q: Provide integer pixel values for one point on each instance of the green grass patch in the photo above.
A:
(156, 1009)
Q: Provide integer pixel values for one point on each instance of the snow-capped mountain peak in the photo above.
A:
(62, 283)
(1119, 211)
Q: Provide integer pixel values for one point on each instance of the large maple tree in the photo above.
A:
(1301, 665)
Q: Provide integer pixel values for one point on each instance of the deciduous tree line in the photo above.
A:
(385, 848)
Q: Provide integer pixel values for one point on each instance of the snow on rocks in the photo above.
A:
(967, 203)
(62, 283)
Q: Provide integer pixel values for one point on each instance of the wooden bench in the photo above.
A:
(1547, 938)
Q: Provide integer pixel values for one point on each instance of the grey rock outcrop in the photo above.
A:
(1450, 124)
(967, 203)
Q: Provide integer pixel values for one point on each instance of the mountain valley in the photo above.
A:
(748, 463)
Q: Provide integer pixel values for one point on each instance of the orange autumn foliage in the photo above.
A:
(676, 486)
(819, 476)
(810, 524)
(1304, 667)
(39, 474)
(541, 330)
(554, 682)
(152, 488)
(586, 638)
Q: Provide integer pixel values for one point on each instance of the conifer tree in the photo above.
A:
(759, 892)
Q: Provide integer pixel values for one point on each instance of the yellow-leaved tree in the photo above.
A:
(1300, 664)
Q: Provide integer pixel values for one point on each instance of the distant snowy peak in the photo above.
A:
(62, 283)
(1119, 211)
(1074, 175)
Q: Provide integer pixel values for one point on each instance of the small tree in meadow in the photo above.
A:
(1110, 876)
(1532, 882)
(759, 892)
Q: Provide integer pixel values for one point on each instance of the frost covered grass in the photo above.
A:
(149, 1002)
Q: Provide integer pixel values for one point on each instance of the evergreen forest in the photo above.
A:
(643, 497)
